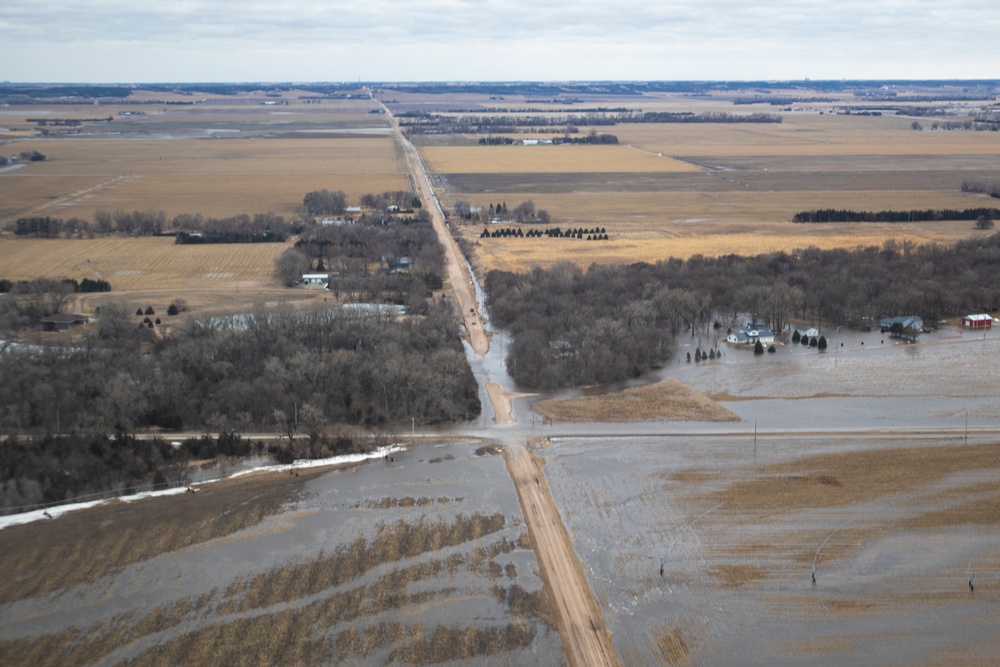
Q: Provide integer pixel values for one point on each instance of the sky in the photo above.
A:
(131, 41)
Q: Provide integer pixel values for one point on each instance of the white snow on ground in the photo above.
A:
(56, 511)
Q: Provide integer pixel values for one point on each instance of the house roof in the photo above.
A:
(904, 320)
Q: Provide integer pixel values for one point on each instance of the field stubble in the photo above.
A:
(346, 568)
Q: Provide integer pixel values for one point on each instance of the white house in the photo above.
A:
(750, 334)
(811, 332)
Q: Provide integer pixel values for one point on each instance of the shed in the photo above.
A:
(980, 321)
(61, 322)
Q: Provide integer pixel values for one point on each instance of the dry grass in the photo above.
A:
(738, 575)
(834, 480)
(674, 645)
(214, 177)
(82, 547)
(667, 400)
(142, 263)
(546, 159)
(648, 228)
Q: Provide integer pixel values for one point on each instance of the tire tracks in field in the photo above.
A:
(104, 185)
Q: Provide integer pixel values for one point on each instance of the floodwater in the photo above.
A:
(425, 484)
(621, 492)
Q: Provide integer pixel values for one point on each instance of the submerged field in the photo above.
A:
(421, 559)
(843, 474)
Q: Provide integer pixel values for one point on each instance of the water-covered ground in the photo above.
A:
(736, 584)
(425, 551)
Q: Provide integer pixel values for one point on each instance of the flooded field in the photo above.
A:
(423, 558)
(861, 466)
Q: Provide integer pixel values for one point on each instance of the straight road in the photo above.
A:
(456, 267)
(586, 640)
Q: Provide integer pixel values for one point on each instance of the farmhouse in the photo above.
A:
(811, 332)
(981, 321)
(907, 322)
(907, 327)
(60, 322)
(750, 334)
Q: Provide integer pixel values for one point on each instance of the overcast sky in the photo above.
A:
(500, 40)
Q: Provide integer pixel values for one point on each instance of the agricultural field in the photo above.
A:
(141, 263)
(213, 159)
(216, 177)
(218, 160)
(677, 190)
(421, 559)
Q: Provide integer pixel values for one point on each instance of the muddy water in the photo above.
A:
(428, 483)
(627, 509)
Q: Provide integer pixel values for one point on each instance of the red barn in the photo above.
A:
(977, 321)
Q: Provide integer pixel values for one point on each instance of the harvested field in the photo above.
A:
(743, 185)
(436, 570)
(142, 262)
(214, 177)
(667, 400)
(546, 159)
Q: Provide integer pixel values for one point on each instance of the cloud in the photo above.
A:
(512, 39)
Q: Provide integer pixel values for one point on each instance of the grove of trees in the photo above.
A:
(269, 369)
(576, 327)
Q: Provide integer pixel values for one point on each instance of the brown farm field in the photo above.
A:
(214, 177)
(680, 189)
(138, 263)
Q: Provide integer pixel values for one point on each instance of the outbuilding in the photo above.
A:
(61, 322)
(980, 321)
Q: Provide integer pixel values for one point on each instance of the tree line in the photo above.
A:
(423, 122)
(575, 327)
(239, 228)
(846, 215)
(260, 228)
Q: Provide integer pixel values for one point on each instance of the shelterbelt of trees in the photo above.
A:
(574, 327)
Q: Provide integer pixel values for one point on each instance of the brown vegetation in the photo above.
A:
(667, 400)
(833, 480)
(82, 547)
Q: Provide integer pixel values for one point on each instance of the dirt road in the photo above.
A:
(587, 641)
(455, 265)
